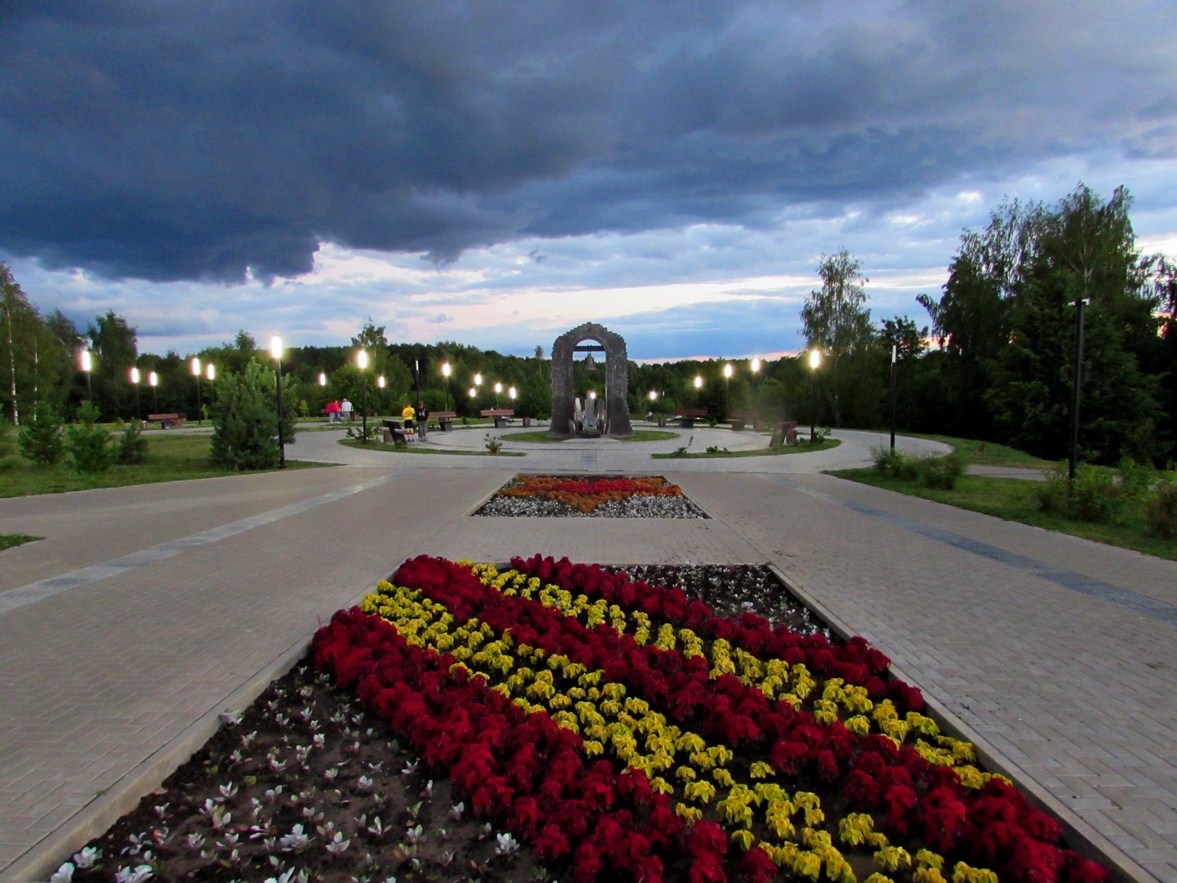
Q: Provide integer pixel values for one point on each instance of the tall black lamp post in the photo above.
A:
(894, 368)
(1077, 386)
(446, 370)
(135, 380)
(196, 373)
(362, 362)
(814, 362)
(276, 352)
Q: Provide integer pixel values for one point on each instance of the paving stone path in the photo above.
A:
(145, 611)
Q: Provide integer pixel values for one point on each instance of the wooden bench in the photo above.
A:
(688, 416)
(166, 420)
(445, 419)
(741, 420)
(500, 415)
(785, 434)
(394, 431)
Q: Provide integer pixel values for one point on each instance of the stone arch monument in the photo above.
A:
(616, 410)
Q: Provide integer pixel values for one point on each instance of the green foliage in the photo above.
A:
(245, 420)
(939, 473)
(90, 446)
(1161, 511)
(494, 444)
(116, 349)
(682, 452)
(132, 449)
(7, 445)
(1095, 495)
(41, 440)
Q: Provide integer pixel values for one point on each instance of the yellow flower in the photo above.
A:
(743, 838)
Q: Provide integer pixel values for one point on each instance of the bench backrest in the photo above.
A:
(163, 416)
(443, 415)
(690, 412)
(493, 412)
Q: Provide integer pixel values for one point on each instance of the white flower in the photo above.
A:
(140, 874)
(87, 857)
(195, 840)
(457, 810)
(364, 784)
(295, 840)
(64, 874)
(415, 834)
(292, 876)
(506, 844)
(377, 827)
(338, 846)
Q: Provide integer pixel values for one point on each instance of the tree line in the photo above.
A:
(1004, 330)
(993, 360)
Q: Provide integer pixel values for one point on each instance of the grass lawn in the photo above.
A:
(169, 458)
(1014, 500)
(801, 448)
(8, 540)
(412, 449)
(981, 453)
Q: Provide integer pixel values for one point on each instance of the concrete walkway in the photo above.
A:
(148, 610)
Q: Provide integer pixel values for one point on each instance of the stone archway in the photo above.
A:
(616, 379)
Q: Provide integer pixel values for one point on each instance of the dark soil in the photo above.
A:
(306, 754)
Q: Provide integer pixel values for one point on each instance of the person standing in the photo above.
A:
(422, 421)
(345, 409)
(407, 415)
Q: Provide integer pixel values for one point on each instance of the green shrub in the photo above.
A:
(1161, 511)
(90, 447)
(939, 473)
(494, 444)
(132, 445)
(245, 419)
(41, 441)
(7, 445)
(1136, 479)
(1093, 496)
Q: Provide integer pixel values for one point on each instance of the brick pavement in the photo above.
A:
(101, 681)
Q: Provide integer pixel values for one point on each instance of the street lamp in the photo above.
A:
(498, 387)
(1076, 387)
(87, 365)
(511, 393)
(362, 361)
(135, 380)
(276, 352)
(196, 373)
(894, 369)
(380, 395)
(755, 389)
(446, 371)
(727, 385)
(698, 386)
(814, 362)
(153, 382)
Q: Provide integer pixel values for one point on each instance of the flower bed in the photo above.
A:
(558, 721)
(590, 497)
(618, 726)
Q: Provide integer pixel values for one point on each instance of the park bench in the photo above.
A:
(394, 431)
(500, 416)
(445, 419)
(740, 421)
(688, 416)
(785, 434)
(166, 420)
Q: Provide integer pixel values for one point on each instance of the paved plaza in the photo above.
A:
(148, 610)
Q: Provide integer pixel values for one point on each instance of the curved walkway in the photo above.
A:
(148, 610)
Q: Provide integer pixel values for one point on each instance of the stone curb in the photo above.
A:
(40, 861)
(1078, 834)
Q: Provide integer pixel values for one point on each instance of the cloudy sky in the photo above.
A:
(498, 172)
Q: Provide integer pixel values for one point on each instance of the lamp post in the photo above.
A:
(1076, 387)
(446, 370)
(698, 386)
(727, 385)
(380, 395)
(755, 390)
(323, 386)
(894, 369)
(135, 380)
(195, 365)
(511, 393)
(814, 362)
(153, 382)
(87, 365)
(362, 361)
(498, 389)
(276, 352)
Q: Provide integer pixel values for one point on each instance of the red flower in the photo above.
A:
(944, 817)
(588, 863)
(551, 843)
(861, 790)
(757, 866)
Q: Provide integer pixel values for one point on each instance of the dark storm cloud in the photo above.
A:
(172, 140)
